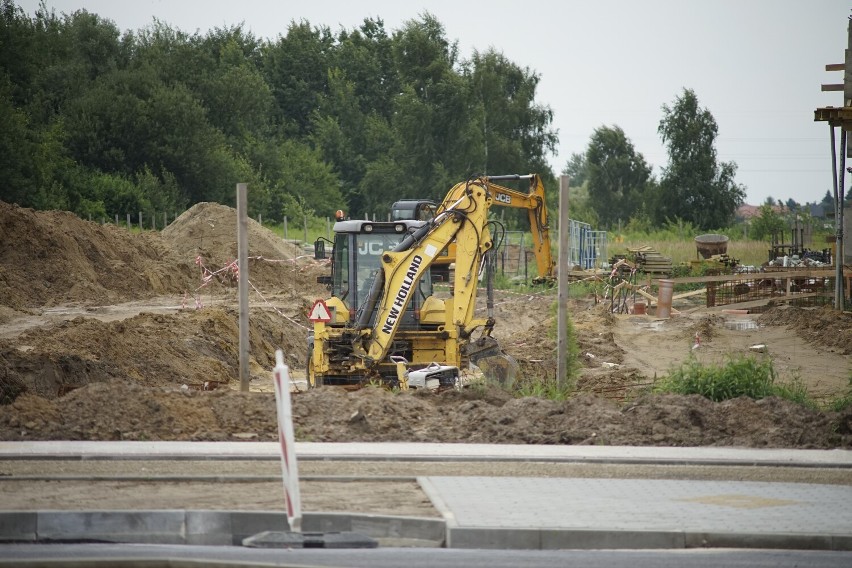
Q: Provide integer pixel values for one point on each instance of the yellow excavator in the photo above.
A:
(385, 324)
(533, 201)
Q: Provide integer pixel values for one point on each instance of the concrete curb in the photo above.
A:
(556, 539)
(428, 452)
(230, 528)
(203, 527)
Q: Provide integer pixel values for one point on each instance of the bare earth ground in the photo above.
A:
(109, 335)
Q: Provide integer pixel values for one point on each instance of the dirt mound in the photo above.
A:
(600, 357)
(206, 235)
(190, 347)
(822, 326)
(129, 411)
(50, 258)
(705, 329)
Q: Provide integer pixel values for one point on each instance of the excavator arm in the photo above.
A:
(463, 218)
(535, 204)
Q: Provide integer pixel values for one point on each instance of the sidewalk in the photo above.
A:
(548, 513)
(495, 512)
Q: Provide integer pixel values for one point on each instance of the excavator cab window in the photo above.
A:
(357, 260)
(368, 263)
(340, 268)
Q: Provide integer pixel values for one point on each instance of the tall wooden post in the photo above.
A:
(242, 263)
(838, 220)
(562, 280)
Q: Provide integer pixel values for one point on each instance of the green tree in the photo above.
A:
(515, 128)
(365, 58)
(431, 113)
(296, 69)
(618, 175)
(767, 223)
(694, 186)
(577, 168)
(131, 119)
(238, 100)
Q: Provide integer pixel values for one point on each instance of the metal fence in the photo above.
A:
(587, 249)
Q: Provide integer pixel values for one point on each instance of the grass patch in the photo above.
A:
(543, 388)
(843, 401)
(739, 376)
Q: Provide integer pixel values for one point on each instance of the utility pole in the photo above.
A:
(839, 117)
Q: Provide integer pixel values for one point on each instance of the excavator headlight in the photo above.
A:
(368, 228)
(399, 228)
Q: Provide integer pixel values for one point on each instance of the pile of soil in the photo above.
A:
(50, 258)
(129, 411)
(154, 322)
(823, 326)
(191, 347)
(206, 236)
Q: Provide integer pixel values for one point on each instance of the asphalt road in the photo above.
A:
(157, 556)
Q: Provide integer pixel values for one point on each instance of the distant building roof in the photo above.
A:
(746, 211)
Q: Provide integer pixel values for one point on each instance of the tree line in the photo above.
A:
(96, 121)
(101, 122)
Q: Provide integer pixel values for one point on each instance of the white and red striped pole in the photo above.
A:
(286, 438)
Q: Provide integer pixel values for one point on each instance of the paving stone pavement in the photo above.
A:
(516, 512)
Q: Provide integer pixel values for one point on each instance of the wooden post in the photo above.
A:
(838, 221)
(242, 263)
(165, 219)
(328, 228)
(140, 221)
(128, 221)
(562, 280)
(154, 221)
(116, 219)
(285, 228)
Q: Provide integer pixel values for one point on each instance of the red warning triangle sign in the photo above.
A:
(320, 312)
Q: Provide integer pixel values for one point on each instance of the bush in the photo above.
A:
(740, 376)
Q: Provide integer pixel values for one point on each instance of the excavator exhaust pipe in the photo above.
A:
(499, 367)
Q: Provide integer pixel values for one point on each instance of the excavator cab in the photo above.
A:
(356, 261)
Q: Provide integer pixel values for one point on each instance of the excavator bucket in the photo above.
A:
(498, 366)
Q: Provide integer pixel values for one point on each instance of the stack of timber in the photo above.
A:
(650, 261)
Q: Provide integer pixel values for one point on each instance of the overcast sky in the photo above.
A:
(757, 65)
